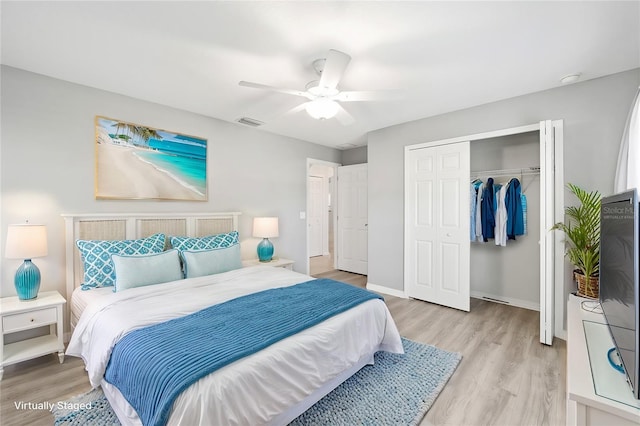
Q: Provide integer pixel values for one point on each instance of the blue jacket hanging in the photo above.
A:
(515, 219)
(487, 211)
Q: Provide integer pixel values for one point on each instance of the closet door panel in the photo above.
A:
(449, 205)
(424, 203)
(424, 266)
(421, 209)
(437, 258)
(451, 268)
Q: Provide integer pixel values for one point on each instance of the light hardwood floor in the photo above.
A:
(320, 264)
(506, 377)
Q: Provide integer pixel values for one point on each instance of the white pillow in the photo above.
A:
(208, 262)
(138, 271)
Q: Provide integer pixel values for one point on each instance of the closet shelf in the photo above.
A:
(507, 172)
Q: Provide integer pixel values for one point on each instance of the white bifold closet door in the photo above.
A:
(437, 203)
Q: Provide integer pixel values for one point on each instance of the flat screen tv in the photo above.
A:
(619, 278)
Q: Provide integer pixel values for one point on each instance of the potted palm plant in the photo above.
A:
(583, 240)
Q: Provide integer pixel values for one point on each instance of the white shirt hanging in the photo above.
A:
(500, 230)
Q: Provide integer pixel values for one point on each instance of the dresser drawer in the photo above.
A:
(27, 320)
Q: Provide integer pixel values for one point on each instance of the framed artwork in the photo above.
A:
(136, 162)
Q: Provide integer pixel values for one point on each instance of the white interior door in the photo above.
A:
(547, 215)
(437, 251)
(316, 215)
(352, 221)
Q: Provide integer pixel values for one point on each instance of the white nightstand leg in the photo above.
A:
(1, 372)
(61, 357)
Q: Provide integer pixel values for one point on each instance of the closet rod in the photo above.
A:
(506, 172)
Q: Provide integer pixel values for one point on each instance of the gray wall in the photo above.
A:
(594, 113)
(354, 156)
(47, 167)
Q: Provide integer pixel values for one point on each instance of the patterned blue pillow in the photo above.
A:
(205, 243)
(99, 270)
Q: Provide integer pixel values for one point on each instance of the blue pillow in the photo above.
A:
(96, 257)
(208, 262)
(205, 243)
(142, 270)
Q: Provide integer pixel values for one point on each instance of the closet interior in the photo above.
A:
(509, 273)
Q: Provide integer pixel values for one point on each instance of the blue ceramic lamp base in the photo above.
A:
(265, 250)
(27, 280)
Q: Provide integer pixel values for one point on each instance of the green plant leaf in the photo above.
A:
(582, 231)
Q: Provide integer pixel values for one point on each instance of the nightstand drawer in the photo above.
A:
(27, 320)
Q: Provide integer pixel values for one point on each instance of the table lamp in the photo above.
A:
(26, 242)
(265, 228)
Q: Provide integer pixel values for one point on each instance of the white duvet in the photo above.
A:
(251, 391)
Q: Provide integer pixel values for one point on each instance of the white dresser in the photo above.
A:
(585, 406)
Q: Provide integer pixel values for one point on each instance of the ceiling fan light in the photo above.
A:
(322, 109)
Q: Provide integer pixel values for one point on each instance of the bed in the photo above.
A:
(271, 386)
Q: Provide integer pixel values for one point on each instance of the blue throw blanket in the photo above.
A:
(153, 365)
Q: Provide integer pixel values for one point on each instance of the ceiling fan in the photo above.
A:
(323, 95)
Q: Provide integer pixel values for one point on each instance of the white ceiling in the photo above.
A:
(446, 55)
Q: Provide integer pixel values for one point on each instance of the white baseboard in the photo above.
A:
(506, 300)
(386, 290)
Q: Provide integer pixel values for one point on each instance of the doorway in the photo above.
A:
(321, 216)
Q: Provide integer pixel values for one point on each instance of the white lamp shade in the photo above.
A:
(265, 227)
(322, 108)
(26, 241)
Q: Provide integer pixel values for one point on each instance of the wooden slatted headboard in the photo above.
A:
(130, 226)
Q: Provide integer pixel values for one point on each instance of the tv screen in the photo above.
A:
(619, 240)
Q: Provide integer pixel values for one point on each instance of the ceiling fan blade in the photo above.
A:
(296, 109)
(363, 95)
(334, 66)
(344, 117)
(275, 89)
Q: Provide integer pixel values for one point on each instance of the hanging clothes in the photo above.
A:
(488, 211)
(480, 190)
(523, 198)
(497, 211)
(472, 216)
(473, 197)
(513, 201)
(501, 217)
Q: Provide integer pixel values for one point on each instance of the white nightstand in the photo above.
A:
(276, 263)
(20, 315)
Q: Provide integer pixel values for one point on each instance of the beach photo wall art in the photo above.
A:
(141, 163)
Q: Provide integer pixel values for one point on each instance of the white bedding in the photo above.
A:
(253, 390)
(80, 299)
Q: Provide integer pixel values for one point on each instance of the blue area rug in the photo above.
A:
(396, 390)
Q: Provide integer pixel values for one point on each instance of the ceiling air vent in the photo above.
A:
(250, 121)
